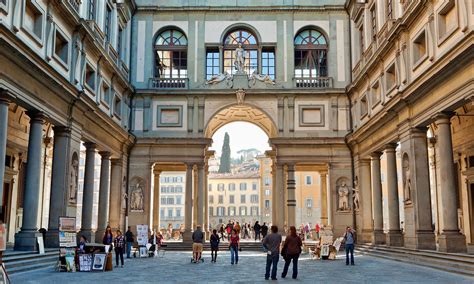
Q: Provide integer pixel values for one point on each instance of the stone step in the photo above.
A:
(187, 246)
(21, 261)
(434, 260)
(50, 265)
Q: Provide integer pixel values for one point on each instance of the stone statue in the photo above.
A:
(124, 194)
(355, 191)
(74, 179)
(406, 180)
(239, 62)
(343, 192)
(262, 78)
(219, 78)
(136, 199)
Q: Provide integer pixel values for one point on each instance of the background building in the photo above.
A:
(171, 206)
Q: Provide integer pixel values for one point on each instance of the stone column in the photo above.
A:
(418, 230)
(195, 196)
(4, 102)
(206, 200)
(291, 202)
(200, 196)
(104, 196)
(394, 236)
(88, 192)
(378, 234)
(450, 239)
(323, 189)
(188, 203)
(156, 200)
(59, 183)
(26, 238)
(116, 194)
(365, 199)
(278, 211)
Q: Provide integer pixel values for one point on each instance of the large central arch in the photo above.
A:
(244, 112)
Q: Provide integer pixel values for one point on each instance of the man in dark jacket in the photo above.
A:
(256, 229)
(264, 229)
(129, 238)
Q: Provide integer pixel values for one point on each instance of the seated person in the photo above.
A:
(82, 244)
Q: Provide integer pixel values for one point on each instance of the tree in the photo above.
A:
(224, 166)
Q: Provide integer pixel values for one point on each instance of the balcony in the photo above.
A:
(168, 83)
(75, 4)
(313, 83)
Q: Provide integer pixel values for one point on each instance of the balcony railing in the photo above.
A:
(319, 82)
(75, 4)
(168, 83)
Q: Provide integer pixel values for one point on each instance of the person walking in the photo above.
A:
(316, 229)
(264, 230)
(272, 245)
(108, 238)
(256, 229)
(119, 244)
(214, 240)
(291, 252)
(221, 231)
(129, 237)
(198, 239)
(234, 247)
(349, 244)
(228, 229)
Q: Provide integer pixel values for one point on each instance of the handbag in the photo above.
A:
(284, 251)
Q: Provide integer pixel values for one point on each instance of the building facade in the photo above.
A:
(171, 199)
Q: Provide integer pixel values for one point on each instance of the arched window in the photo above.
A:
(171, 55)
(249, 44)
(310, 54)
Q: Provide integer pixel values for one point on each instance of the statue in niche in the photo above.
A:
(219, 78)
(355, 195)
(73, 179)
(239, 62)
(123, 200)
(262, 78)
(343, 193)
(406, 180)
(136, 198)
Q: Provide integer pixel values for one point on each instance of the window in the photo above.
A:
(390, 9)
(61, 47)
(308, 180)
(108, 23)
(212, 63)
(390, 77)
(267, 192)
(254, 186)
(267, 181)
(220, 211)
(105, 94)
(163, 189)
(179, 189)
(309, 203)
(268, 62)
(231, 210)
(211, 199)
(231, 186)
(243, 186)
(163, 200)
(447, 20)
(267, 204)
(90, 77)
(162, 213)
(363, 106)
(91, 9)
(171, 55)
(33, 19)
(254, 198)
(211, 211)
(242, 198)
(170, 200)
(117, 106)
(243, 210)
(373, 21)
(178, 211)
(254, 211)
(231, 199)
(419, 48)
(248, 42)
(220, 199)
(220, 187)
(376, 94)
(170, 212)
(178, 200)
(209, 187)
(310, 54)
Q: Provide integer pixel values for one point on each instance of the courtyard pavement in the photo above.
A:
(175, 267)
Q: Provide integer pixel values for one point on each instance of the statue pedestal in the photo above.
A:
(240, 81)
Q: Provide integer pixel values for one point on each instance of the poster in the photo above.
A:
(99, 262)
(142, 235)
(143, 252)
(70, 264)
(40, 244)
(67, 224)
(3, 237)
(325, 250)
(85, 262)
(67, 239)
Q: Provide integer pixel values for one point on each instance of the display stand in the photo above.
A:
(67, 244)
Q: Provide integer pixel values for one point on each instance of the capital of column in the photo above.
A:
(116, 161)
(291, 167)
(105, 155)
(375, 155)
(391, 147)
(443, 118)
(63, 131)
(36, 116)
(90, 146)
(200, 166)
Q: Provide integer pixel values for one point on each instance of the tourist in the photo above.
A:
(291, 251)
(234, 247)
(214, 240)
(221, 231)
(82, 244)
(349, 244)
(119, 244)
(256, 229)
(152, 241)
(264, 229)
(237, 227)
(228, 229)
(108, 238)
(272, 245)
(246, 234)
(316, 229)
(130, 239)
(198, 238)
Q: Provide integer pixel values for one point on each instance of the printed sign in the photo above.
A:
(67, 224)
(85, 262)
(67, 239)
(142, 235)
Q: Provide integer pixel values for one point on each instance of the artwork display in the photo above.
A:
(67, 224)
(143, 252)
(355, 194)
(85, 262)
(406, 179)
(142, 235)
(3, 237)
(99, 262)
(325, 250)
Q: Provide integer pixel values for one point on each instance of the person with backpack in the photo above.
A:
(291, 252)
(214, 240)
(349, 244)
(234, 247)
(256, 229)
(272, 244)
(119, 244)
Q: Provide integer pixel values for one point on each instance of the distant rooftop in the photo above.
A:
(238, 175)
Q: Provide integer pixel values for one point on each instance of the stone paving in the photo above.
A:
(175, 267)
